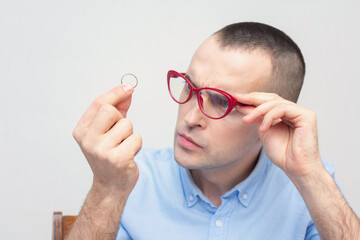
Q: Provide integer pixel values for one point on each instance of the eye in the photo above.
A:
(219, 100)
(187, 86)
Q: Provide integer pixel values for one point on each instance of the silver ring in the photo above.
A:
(129, 78)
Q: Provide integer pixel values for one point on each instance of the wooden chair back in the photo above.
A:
(61, 225)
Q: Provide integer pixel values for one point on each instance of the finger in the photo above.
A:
(262, 109)
(104, 119)
(289, 114)
(130, 146)
(245, 109)
(256, 98)
(120, 97)
(120, 131)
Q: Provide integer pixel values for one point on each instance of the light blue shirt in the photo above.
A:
(166, 204)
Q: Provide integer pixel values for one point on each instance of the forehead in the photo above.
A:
(232, 70)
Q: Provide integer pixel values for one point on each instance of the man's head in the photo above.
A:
(240, 58)
(287, 61)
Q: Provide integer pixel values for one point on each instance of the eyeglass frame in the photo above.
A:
(231, 99)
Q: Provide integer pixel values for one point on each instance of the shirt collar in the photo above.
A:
(245, 190)
(191, 191)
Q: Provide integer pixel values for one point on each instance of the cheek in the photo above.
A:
(184, 109)
(181, 113)
(234, 136)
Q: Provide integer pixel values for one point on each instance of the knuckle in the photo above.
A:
(110, 111)
(288, 102)
(117, 160)
(76, 134)
(119, 93)
(137, 139)
(111, 158)
(86, 145)
(107, 109)
(274, 95)
(270, 115)
(313, 114)
(283, 104)
(87, 142)
(126, 123)
(100, 152)
(253, 94)
(97, 103)
(136, 142)
(132, 164)
(266, 118)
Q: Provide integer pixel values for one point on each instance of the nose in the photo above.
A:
(193, 116)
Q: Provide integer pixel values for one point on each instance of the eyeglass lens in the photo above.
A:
(212, 103)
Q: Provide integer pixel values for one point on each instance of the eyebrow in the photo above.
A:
(192, 83)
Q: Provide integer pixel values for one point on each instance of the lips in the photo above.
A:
(187, 142)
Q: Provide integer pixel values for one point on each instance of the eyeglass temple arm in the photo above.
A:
(242, 104)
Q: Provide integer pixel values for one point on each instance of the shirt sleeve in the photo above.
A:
(312, 233)
(122, 234)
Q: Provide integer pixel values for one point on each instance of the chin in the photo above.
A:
(191, 160)
(185, 159)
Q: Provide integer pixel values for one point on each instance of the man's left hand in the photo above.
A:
(287, 131)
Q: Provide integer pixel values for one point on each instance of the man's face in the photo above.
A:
(204, 143)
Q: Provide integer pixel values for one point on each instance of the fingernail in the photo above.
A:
(127, 87)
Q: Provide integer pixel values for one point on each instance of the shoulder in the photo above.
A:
(159, 181)
(155, 161)
(147, 155)
(157, 170)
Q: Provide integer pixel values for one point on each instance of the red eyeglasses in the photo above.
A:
(214, 103)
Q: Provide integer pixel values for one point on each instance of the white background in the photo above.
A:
(57, 56)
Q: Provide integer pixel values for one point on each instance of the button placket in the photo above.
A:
(219, 221)
(245, 196)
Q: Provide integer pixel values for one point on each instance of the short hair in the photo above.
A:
(288, 65)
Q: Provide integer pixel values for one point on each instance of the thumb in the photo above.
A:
(124, 105)
(120, 97)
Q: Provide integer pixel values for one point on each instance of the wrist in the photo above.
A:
(100, 195)
(304, 169)
(311, 178)
(100, 215)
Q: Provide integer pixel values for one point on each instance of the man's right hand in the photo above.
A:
(106, 138)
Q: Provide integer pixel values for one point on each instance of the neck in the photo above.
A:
(217, 181)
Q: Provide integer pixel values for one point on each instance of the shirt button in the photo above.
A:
(218, 223)
(245, 196)
(191, 198)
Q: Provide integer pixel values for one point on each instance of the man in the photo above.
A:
(245, 163)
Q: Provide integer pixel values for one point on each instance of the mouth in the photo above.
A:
(187, 142)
